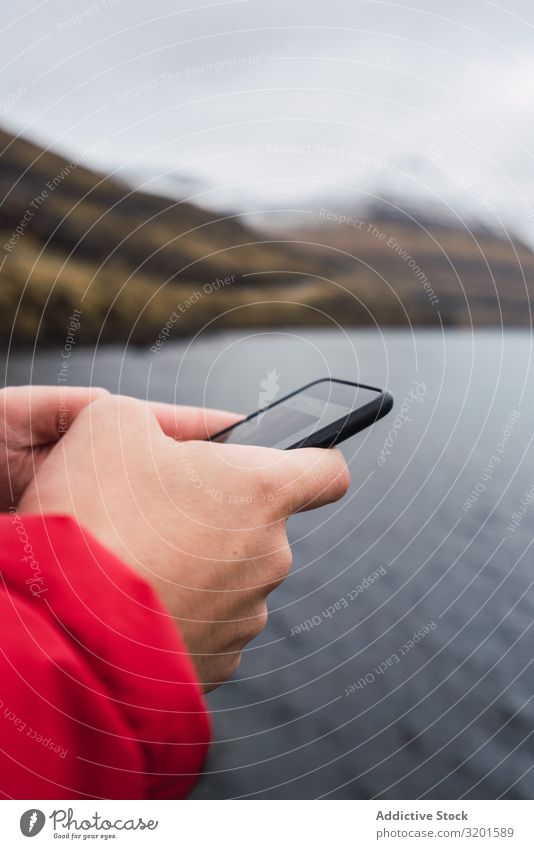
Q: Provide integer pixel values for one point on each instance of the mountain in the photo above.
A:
(416, 266)
(71, 238)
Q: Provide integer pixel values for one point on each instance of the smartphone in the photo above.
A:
(319, 415)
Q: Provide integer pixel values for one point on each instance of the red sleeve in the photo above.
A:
(98, 696)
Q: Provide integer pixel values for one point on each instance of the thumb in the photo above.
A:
(311, 477)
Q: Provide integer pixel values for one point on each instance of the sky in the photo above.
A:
(273, 105)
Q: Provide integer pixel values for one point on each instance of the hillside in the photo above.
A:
(71, 238)
(426, 270)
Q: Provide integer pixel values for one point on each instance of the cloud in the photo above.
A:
(208, 88)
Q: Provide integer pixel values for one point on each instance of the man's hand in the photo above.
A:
(203, 522)
(33, 419)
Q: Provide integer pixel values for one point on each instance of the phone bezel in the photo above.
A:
(335, 432)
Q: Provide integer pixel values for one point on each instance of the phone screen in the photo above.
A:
(297, 417)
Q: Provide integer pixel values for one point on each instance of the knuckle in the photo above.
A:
(261, 619)
(222, 668)
(232, 664)
(255, 624)
(256, 619)
(281, 562)
(285, 558)
(127, 404)
(117, 407)
(98, 392)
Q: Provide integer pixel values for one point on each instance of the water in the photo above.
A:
(450, 713)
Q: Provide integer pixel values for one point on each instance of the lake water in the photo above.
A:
(353, 705)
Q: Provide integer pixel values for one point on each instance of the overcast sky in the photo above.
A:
(277, 102)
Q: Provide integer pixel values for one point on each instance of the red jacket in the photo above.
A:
(98, 696)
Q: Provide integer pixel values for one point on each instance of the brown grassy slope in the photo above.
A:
(129, 256)
(429, 270)
(128, 259)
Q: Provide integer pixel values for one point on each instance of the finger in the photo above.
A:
(191, 422)
(180, 423)
(310, 478)
(39, 415)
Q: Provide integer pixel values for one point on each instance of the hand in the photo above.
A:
(203, 522)
(33, 419)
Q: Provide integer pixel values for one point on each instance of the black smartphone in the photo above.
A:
(319, 415)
